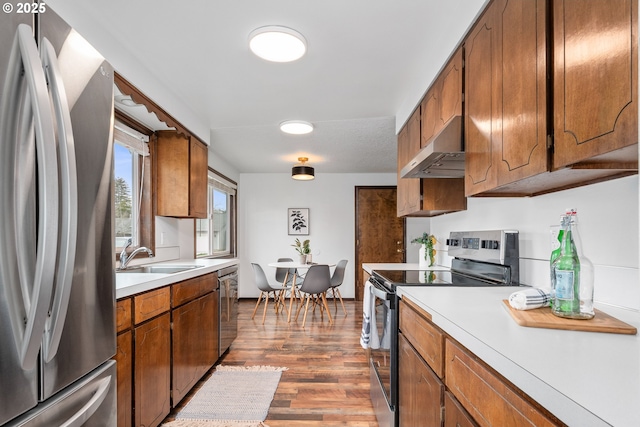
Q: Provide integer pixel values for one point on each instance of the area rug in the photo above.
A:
(234, 396)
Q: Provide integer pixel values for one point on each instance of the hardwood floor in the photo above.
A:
(327, 383)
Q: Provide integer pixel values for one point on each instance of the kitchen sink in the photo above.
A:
(159, 269)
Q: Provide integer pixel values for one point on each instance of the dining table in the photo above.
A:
(296, 265)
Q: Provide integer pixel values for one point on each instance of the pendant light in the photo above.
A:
(302, 172)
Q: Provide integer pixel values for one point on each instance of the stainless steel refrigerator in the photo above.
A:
(57, 293)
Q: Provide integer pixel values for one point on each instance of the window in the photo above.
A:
(215, 236)
(129, 149)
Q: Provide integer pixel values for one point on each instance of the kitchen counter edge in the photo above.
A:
(128, 284)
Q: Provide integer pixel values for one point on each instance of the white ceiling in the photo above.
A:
(367, 66)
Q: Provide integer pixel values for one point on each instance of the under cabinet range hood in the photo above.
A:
(443, 157)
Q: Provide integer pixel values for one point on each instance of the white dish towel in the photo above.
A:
(369, 337)
(530, 298)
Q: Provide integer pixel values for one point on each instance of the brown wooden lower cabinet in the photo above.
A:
(152, 371)
(420, 391)
(167, 341)
(124, 362)
(466, 394)
(124, 366)
(193, 347)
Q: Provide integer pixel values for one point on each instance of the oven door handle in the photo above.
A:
(380, 292)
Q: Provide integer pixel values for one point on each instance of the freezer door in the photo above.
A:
(90, 402)
(26, 260)
(87, 337)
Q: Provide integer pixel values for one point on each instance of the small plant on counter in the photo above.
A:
(428, 242)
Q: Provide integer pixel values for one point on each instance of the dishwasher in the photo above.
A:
(228, 307)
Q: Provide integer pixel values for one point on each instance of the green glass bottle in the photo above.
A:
(555, 253)
(572, 278)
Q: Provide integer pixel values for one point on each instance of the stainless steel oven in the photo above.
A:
(481, 258)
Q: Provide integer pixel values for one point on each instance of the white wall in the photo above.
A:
(263, 200)
(608, 223)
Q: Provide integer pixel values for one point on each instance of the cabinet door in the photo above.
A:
(181, 176)
(408, 146)
(124, 365)
(193, 347)
(198, 179)
(420, 392)
(596, 79)
(450, 83)
(482, 56)
(443, 100)
(523, 87)
(152, 367)
(430, 120)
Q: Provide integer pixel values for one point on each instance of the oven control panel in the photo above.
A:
(486, 245)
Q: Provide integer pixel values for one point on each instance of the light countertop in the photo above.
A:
(583, 378)
(128, 284)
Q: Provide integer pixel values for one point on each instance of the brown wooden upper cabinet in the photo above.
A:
(596, 81)
(443, 100)
(181, 176)
(424, 197)
(526, 134)
(408, 145)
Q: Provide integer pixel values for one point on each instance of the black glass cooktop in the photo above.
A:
(393, 278)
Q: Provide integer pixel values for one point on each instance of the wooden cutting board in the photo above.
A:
(543, 318)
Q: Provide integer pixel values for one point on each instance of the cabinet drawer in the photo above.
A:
(427, 339)
(193, 288)
(151, 304)
(123, 315)
(489, 399)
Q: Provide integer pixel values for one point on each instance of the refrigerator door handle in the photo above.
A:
(68, 202)
(79, 418)
(28, 287)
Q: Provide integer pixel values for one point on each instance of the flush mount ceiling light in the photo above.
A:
(296, 127)
(277, 44)
(302, 172)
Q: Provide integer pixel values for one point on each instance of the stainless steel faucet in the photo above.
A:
(124, 258)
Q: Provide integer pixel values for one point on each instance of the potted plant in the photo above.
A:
(303, 249)
(427, 253)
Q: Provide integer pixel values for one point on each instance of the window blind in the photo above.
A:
(222, 184)
(131, 138)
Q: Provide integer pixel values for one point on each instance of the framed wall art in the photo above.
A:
(298, 219)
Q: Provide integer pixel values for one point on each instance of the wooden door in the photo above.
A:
(596, 79)
(380, 234)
